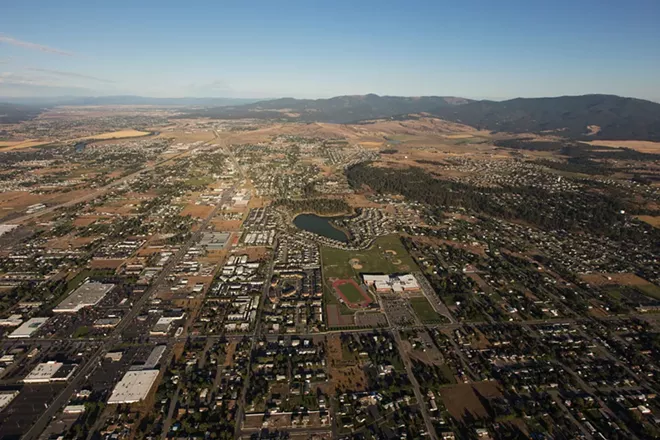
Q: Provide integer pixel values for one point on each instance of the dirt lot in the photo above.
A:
(226, 225)
(643, 146)
(626, 279)
(84, 221)
(69, 242)
(463, 399)
(254, 253)
(344, 374)
(106, 264)
(336, 318)
(198, 211)
(117, 135)
(651, 220)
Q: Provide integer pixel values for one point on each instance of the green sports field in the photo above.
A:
(387, 255)
(351, 293)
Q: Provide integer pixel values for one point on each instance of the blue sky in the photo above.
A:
(478, 49)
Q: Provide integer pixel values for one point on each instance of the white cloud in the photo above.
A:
(71, 75)
(32, 46)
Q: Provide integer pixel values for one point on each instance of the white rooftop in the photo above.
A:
(12, 321)
(134, 386)
(6, 397)
(28, 328)
(89, 294)
(48, 371)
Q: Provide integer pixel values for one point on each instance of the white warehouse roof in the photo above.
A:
(28, 328)
(134, 386)
(89, 294)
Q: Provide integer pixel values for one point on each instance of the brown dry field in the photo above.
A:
(461, 398)
(430, 356)
(213, 257)
(642, 146)
(121, 134)
(226, 225)
(229, 357)
(183, 136)
(85, 220)
(18, 199)
(360, 201)
(69, 242)
(120, 207)
(650, 219)
(19, 145)
(626, 279)
(198, 211)
(370, 135)
(106, 264)
(254, 253)
(29, 143)
(343, 376)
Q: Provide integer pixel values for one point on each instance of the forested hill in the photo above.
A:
(13, 113)
(340, 109)
(576, 117)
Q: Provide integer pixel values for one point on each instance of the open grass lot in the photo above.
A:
(425, 311)
(387, 255)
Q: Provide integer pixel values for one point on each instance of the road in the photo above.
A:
(256, 334)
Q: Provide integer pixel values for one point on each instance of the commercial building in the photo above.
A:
(214, 240)
(12, 321)
(388, 283)
(50, 371)
(87, 295)
(4, 228)
(134, 387)
(152, 360)
(28, 328)
(6, 397)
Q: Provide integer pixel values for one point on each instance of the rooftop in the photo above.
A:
(133, 387)
(89, 294)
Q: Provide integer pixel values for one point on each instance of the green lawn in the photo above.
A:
(351, 293)
(425, 311)
(650, 290)
(373, 260)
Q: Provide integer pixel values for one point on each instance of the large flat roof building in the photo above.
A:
(87, 295)
(134, 387)
(6, 397)
(28, 328)
(388, 283)
(50, 372)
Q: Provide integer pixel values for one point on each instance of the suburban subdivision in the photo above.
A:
(246, 273)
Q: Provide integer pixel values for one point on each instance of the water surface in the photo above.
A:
(320, 225)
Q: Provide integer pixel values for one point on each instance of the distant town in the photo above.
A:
(168, 275)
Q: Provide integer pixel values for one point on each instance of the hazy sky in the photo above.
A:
(477, 49)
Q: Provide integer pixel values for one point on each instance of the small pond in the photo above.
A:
(320, 225)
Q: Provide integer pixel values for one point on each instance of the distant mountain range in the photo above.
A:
(12, 113)
(126, 100)
(339, 110)
(575, 117)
